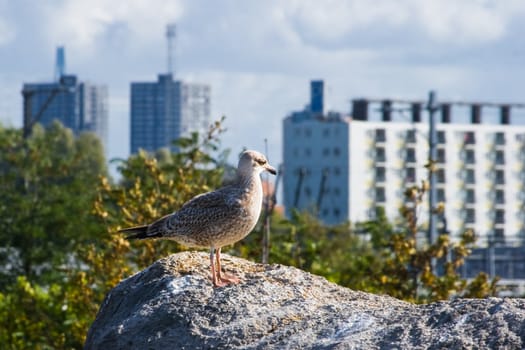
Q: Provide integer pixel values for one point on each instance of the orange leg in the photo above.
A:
(224, 278)
(215, 275)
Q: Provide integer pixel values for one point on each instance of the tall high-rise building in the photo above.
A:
(166, 110)
(343, 167)
(80, 106)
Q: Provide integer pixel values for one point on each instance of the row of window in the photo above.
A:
(302, 171)
(469, 137)
(307, 132)
(468, 175)
(327, 151)
(470, 216)
(468, 156)
(498, 196)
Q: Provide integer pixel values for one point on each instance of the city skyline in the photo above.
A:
(259, 57)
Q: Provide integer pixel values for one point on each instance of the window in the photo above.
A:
(410, 155)
(380, 174)
(470, 176)
(380, 154)
(440, 194)
(470, 196)
(470, 216)
(499, 217)
(337, 151)
(470, 157)
(410, 136)
(441, 155)
(499, 138)
(380, 194)
(307, 132)
(499, 236)
(326, 132)
(440, 174)
(500, 158)
(499, 197)
(441, 137)
(499, 177)
(380, 135)
(410, 174)
(326, 152)
(469, 138)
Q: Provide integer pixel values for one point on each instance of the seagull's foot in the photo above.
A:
(229, 279)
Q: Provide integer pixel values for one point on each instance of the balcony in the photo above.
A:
(380, 155)
(410, 136)
(380, 174)
(470, 216)
(441, 139)
(499, 159)
(469, 139)
(441, 156)
(380, 136)
(469, 157)
(410, 155)
(499, 217)
(410, 175)
(380, 195)
(499, 178)
(499, 140)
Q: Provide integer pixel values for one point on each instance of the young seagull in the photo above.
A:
(215, 219)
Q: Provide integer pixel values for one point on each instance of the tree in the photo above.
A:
(47, 194)
(408, 272)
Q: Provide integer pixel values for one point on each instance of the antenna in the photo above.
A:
(60, 63)
(170, 36)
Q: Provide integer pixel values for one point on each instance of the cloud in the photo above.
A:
(338, 23)
(84, 25)
(7, 29)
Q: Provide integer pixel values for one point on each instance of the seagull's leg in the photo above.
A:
(224, 278)
(215, 274)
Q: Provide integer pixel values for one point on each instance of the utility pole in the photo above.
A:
(432, 158)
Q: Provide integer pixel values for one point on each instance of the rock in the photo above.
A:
(172, 305)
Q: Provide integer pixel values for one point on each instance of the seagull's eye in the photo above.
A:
(261, 161)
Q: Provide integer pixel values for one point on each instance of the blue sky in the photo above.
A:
(259, 56)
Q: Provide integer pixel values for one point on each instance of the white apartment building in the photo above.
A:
(342, 168)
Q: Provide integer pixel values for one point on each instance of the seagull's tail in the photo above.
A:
(138, 232)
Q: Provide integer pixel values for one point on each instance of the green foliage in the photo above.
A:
(47, 196)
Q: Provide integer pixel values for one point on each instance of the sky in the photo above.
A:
(259, 56)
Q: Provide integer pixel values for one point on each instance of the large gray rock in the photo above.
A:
(173, 305)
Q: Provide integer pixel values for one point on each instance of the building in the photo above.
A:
(166, 110)
(342, 167)
(80, 106)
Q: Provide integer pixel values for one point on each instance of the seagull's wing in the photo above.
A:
(216, 207)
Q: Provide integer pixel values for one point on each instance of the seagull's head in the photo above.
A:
(254, 162)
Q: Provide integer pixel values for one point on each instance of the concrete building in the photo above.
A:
(342, 167)
(80, 106)
(166, 110)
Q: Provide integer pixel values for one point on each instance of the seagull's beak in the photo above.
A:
(270, 169)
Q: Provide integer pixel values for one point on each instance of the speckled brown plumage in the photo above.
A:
(215, 219)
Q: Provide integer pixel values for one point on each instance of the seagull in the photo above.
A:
(215, 219)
